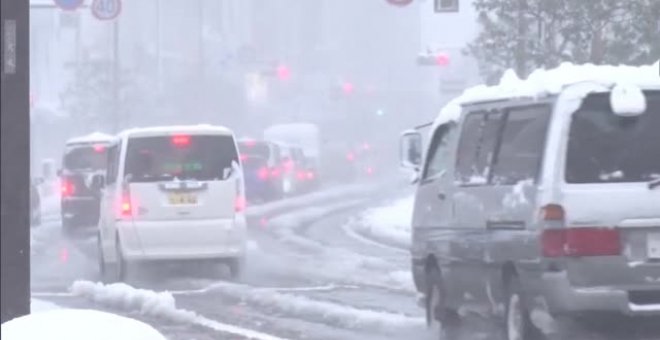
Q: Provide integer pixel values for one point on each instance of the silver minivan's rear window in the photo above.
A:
(606, 148)
(192, 157)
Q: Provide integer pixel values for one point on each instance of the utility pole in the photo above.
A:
(159, 58)
(118, 119)
(521, 69)
(201, 66)
(15, 160)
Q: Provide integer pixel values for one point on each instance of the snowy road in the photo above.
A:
(309, 277)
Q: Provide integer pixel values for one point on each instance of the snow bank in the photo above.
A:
(38, 306)
(157, 304)
(390, 223)
(548, 82)
(329, 312)
(77, 324)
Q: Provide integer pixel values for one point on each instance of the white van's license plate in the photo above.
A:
(181, 199)
(653, 245)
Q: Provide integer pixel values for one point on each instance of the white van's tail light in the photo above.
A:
(240, 204)
(125, 205)
(579, 242)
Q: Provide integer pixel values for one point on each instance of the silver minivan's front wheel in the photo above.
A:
(442, 321)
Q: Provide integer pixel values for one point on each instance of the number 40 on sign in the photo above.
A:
(106, 9)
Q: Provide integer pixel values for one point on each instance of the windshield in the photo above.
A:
(203, 158)
(85, 158)
(606, 148)
(258, 149)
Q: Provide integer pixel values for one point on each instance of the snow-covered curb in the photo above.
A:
(156, 304)
(389, 223)
(77, 324)
(329, 312)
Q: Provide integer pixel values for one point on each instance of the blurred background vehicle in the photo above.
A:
(263, 164)
(83, 158)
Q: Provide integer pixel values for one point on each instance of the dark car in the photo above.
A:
(83, 158)
(263, 168)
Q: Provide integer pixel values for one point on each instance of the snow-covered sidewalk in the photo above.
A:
(389, 223)
(50, 321)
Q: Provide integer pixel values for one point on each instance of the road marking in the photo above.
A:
(352, 233)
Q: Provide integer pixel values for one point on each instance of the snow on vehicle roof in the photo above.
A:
(165, 130)
(543, 83)
(95, 137)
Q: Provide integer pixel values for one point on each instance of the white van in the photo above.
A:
(172, 193)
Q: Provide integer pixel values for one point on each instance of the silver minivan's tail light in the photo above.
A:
(581, 242)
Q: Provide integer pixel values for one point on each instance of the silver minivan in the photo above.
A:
(539, 208)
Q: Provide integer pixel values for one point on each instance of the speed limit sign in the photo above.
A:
(400, 2)
(106, 9)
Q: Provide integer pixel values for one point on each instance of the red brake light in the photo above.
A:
(240, 204)
(126, 205)
(67, 188)
(370, 171)
(310, 175)
(181, 140)
(301, 175)
(583, 241)
(350, 157)
(244, 157)
(263, 174)
(99, 148)
(275, 172)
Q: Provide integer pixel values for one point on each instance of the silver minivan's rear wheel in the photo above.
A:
(518, 324)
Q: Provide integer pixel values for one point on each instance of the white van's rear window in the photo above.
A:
(606, 148)
(184, 157)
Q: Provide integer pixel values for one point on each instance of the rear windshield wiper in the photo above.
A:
(654, 183)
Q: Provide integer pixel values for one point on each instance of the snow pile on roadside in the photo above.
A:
(303, 307)
(77, 324)
(38, 306)
(123, 296)
(389, 223)
(156, 304)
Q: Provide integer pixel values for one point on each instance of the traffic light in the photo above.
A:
(283, 72)
(347, 87)
(440, 59)
(380, 112)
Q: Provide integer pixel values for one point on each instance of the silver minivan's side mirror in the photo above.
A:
(411, 150)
